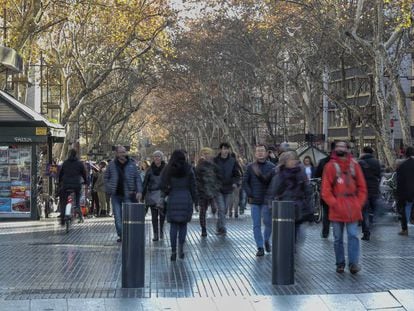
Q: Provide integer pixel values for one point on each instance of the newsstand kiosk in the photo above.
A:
(23, 134)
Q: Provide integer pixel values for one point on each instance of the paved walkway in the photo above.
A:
(40, 263)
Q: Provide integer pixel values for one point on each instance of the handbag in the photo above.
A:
(153, 197)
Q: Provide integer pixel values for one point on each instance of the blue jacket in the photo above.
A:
(132, 182)
(255, 188)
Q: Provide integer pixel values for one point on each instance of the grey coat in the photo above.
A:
(132, 182)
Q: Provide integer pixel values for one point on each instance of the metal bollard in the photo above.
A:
(133, 245)
(283, 242)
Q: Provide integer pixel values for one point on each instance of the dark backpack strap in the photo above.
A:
(258, 173)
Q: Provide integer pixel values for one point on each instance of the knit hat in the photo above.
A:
(158, 153)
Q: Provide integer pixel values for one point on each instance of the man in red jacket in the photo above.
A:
(344, 190)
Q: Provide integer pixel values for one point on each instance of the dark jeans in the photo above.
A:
(325, 219)
(155, 215)
(242, 200)
(406, 210)
(368, 212)
(95, 204)
(204, 203)
(177, 229)
(63, 200)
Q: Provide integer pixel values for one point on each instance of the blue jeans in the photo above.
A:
(117, 201)
(180, 230)
(242, 200)
(408, 208)
(353, 242)
(259, 211)
(223, 202)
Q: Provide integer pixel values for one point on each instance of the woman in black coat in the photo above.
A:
(290, 183)
(179, 184)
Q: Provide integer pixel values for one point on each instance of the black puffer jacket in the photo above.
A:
(180, 187)
(208, 180)
(371, 168)
(230, 172)
(292, 184)
(72, 174)
(254, 187)
(405, 181)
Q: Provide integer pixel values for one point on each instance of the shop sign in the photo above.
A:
(22, 140)
(41, 131)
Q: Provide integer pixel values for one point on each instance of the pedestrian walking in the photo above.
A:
(71, 176)
(99, 188)
(143, 168)
(123, 183)
(208, 185)
(242, 193)
(290, 183)
(345, 192)
(236, 193)
(178, 183)
(95, 208)
(230, 172)
(256, 181)
(309, 167)
(405, 189)
(271, 155)
(152, 194)
(325, 210)
(371, 169)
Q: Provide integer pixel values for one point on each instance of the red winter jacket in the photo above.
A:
(345, 195)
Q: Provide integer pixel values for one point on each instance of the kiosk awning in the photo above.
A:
(20, 123)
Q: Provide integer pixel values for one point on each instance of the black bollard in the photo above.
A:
(283, 242)
(133, 245)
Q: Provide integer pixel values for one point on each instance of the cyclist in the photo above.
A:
(71, 176)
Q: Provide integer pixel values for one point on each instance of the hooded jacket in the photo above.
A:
(346, 194)
(72, 174)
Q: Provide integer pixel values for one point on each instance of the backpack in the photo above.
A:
(339, 172)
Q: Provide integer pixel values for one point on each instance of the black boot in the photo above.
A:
(181, 251)
(173, 256)
(203, 232)
(155, 238)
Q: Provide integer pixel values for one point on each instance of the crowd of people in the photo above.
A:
(225, 184)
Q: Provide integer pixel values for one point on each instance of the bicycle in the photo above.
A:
(70, 213)
(316, 199)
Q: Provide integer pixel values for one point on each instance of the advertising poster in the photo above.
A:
(14, 172)
(25, 174)
(5, 205)
(4, 156)
(4, 173)
(14, 156)
(25, 157)
(18, 192)
(5, 191)
(21, 183)
(20, 205)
